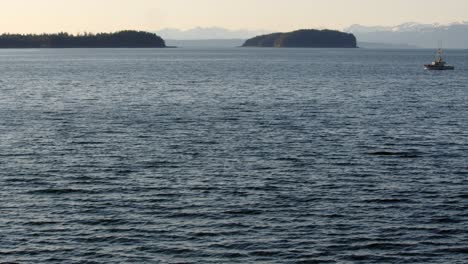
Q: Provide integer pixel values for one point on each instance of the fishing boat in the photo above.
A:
(439, 64)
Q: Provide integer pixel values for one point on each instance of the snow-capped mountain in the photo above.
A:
(365, 29)
(405, 27)
(412, 26)
(453, 35)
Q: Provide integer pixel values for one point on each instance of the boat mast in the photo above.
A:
(440, 52)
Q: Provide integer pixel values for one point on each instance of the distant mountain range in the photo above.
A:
(454, 35)
(407, 35)
(205, 43)
(209, 33)
(376, 45)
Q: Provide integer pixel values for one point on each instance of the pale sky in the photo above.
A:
(33, 16)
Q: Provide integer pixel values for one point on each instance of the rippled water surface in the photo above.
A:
(232, 155)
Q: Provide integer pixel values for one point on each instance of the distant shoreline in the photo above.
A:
(120, 39)
(58, 48)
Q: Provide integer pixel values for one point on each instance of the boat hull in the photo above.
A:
(439, 68)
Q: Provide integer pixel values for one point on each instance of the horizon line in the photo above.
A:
(459, 22)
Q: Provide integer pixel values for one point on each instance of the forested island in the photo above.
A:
(305, 38)
(121, 39)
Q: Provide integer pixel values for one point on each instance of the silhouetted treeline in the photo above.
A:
(121, 39)
(306, 38)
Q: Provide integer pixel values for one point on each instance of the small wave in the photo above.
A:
(266, 253)
(60, 191)
(244, 212)
(263, 168)
(457, 250)
(233, 255)
(233, 225)
(373, 259)
(191, 215)
(235, 245)
(202, 188)
(444, 220)
(289, 159)
(448, 231)
(17, 155)
(42, 223)
(103, 222)
(334, 216)
(361, 257)
(386, 246)
(389, 201)
(160, 164)
(215, 234)
(400, 154)
(178, 250)
(463, 196)
(24, 180)
(124, 172)
(106, 239)
(205, 234)
(88, 143)
(316, 261)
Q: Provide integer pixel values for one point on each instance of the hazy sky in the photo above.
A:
(110, 15)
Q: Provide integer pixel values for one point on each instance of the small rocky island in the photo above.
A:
(121, 39)
(305, 38)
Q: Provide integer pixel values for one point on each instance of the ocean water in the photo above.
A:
(232, 156)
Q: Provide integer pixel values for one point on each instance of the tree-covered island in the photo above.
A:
(121, 39)
(305, 38)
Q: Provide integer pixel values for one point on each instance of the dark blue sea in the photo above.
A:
(233, 156)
